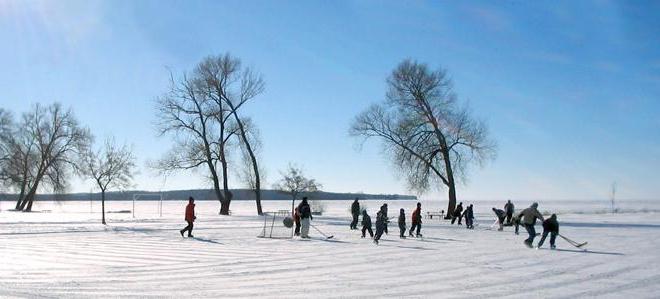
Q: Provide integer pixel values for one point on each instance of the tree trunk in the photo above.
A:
(29, 199)
(451, 184)
(21, 198)
(253, 159)
(103, 206)
(224, 205)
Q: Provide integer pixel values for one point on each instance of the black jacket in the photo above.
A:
(458, 210)
(499, 213)
(366, 220)
(402, 219)
(355, 208)
(508, 208)
(551, 225)
(468, 214)
(305, 211)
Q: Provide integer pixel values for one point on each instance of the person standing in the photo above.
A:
(416, 221)
(501, 215)
(366, 224)
(457, 213)
(402, 224)
(509, 209)
(384, 210)
(355, 212)
(296, 219)
(469, 217)
(305, 218)
(381, 220)
(528, 220)
(190, 217)
(550, 226)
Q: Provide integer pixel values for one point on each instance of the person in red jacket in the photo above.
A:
(416, 221)
(190, 217)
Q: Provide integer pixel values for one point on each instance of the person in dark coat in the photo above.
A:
(384, 210)
(508, 209)
(381, 220)
(355, 212)
(469, 217)
(501, 215)
(366, 224)
(457, 213)
(402, 224)
(416, 221)
(305, 218)
(296, 219)
(190, 217)
(550, 226)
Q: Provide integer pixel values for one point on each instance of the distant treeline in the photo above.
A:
(207, 194)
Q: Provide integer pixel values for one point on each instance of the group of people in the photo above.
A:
(505, 217)
(382, 221)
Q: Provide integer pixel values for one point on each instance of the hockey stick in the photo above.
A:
(576, 244)
(318, 230)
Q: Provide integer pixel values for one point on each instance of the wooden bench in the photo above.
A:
(430, 215)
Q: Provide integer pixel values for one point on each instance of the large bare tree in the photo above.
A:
(430, 137)
(45, 148)
(201, 109)
(112, 166)
(6, 135)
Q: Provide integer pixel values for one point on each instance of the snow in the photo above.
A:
(68, 253)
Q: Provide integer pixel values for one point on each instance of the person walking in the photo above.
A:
(190, 217)
(366, 224)
(381, 220)
(501, 215)
(528, 220)
(550, 226)
(469, 217)
(509, 209)
(416, 221)
(458, 212)
(402, 224)
(387, 220)
(355, 212)
(305, 218)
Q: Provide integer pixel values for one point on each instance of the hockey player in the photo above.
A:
(528, 220)
(469, 217)
(384, 209)
(305, 218)
(355, 212)
(550, 226)
(190, 217)
(402, 224)
(501, 215)
(457, 213)
(508, 208)
(381, 222)
(416, 221)
(366, 224)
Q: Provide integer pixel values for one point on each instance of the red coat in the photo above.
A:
(416, 215)
(190, 212)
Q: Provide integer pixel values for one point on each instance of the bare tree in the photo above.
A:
(6, 135)
(251, 173)
(45, 149)
(429, 136)
(109, 167)
(294, 183)
(230, 86)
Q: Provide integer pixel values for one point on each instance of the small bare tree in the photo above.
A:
(428, 135)
(110, 167)
(294, 183)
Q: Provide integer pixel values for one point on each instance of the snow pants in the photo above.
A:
(531, 231)
(379, 232)
(508, 217)
(355, 221)
(304, 230)
(297, 231)
(402, 230)
(188, 228)
(415, 225)
(365, 229)
(553, 236)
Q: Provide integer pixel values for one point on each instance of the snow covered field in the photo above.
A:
(67, 253)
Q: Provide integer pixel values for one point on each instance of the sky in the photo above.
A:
(570, 90)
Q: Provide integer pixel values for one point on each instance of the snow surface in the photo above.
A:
(67, 253)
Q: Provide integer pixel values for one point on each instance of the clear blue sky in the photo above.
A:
(570, 89)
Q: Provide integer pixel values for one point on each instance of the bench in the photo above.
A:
(430, 215)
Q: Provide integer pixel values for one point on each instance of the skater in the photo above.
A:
(469, 217)
(508, 208)
(402, 224)
(190, 217)
(381, 220)
(305, 218)
(416, 221)
(457, 213)
(366, 224)
(550, 226)
(296, 219)
(501, 215)
(355, 212)
(384, 209)
(528, 220)
(515, 221)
